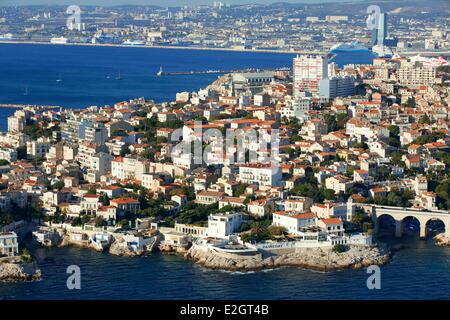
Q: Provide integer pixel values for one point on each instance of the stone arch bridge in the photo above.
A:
(400, 214)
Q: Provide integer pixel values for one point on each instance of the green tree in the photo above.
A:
(329, 194)
(240, 189)
(276, 230)
(99, 222)
(104, 199)
(425, 119)
(57, 185)
(21, 152)
(443, 195)
(339, 248)
(92, 191)
(125, 151)
(330, 121)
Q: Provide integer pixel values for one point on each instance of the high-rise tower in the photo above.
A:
(308, 71)
(379, 34)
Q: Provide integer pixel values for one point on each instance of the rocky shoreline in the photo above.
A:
(441, 240)
(320, 259)
(17, 271)
(116, 246)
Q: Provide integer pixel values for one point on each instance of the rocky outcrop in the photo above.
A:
(323, 259)
(166, 248)
(441, 240)
(120, 248)
(18, 271)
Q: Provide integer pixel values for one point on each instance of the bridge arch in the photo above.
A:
(436, 226)
(411, 224)
(385, 222)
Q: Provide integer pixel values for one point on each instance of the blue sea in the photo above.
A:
(28, 72)
(420, 271)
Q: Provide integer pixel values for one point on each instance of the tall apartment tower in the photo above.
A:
(308, 71)
(379, 34)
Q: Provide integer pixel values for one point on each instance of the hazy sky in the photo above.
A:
(164, 3)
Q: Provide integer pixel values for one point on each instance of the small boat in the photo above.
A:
(160, 72)
(59, 78)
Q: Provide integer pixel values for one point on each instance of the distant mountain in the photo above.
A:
(359, 6)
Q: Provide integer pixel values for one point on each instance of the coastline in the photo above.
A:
(312, 258)
(162, 47)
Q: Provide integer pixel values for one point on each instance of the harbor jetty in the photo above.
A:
(27, 106)
(192, 72)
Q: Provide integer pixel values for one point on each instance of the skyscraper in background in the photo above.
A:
(308, 71)
(379, 34)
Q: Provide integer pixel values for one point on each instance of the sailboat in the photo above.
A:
(25, 93)
(160, 72)
(59, 78)
(119, 76)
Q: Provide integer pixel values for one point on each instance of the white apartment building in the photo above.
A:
(420, 184)
(260, 174)
(223, 225)
(338, 183)
(56, 151)
(86, 151)
(342, 210)
(297, 204)
(333, 226)
(260, 207)
(334, 87)
(416, 74)
(16, 124)
(336, 18)
(38, 148)
(314, 129)
(61, 151)
(293, 221)
(8, 153)
(90, 203)
(100, 164)
(359, 129)
(96, 133)
(209, 197)
(129, 168)
(308, 71)
(52, 198)
(296, 108)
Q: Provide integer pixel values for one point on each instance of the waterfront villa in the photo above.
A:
(8, 244)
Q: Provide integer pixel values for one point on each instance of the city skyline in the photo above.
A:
(163, 3)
